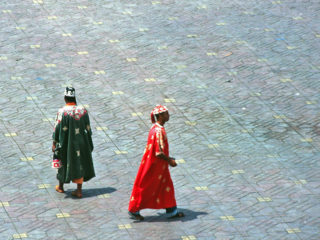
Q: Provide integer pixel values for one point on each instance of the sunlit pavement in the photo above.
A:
(240, 79)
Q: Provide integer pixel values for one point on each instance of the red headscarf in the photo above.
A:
(158, 109)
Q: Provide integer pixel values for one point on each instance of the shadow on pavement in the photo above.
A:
(162, 217)
(92, 192)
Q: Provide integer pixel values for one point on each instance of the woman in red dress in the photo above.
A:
(153, 187)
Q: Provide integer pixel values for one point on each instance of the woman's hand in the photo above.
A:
(172, 162)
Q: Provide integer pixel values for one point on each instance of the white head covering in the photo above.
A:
(70, 92)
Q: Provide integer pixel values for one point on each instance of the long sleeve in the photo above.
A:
(56, 129)
(89, 131)
(159, 142)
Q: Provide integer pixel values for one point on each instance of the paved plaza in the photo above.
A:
(241, 80)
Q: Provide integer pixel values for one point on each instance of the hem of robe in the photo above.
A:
(135, 208)
(67, 182)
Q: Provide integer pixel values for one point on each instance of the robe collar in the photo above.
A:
(71, 104)
(158, 125)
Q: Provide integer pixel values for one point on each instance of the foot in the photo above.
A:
(59, 190)
(136, 216)
(76, 194)
(177, 215)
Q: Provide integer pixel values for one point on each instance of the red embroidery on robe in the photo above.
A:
(153, 187)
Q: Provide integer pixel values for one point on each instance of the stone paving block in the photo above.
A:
(240, 81)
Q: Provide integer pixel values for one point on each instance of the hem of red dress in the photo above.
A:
(151, 207)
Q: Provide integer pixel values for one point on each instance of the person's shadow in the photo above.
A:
(92, 192)
(162, 217)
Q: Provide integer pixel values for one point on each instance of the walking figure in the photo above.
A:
(72, 144)
(153, 187)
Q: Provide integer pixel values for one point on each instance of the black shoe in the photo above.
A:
(136, 216)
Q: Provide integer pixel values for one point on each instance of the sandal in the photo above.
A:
(76, 194)
(59, 190)
(136, 216)
(177, 215)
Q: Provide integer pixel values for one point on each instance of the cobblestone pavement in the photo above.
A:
(241, 80)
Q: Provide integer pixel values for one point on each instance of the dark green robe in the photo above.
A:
(72, 134)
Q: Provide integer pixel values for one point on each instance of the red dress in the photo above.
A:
(153, 187)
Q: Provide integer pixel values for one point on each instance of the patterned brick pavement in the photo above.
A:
(241, 80)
